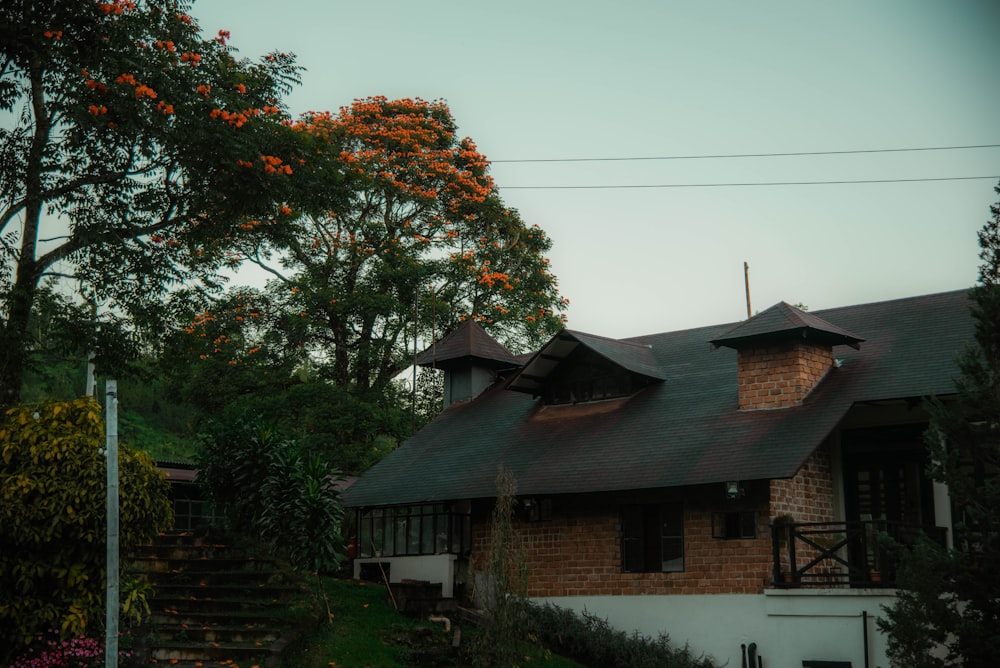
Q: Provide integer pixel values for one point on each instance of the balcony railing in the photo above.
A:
(841, 554)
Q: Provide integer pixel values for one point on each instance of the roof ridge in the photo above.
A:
(577, 332)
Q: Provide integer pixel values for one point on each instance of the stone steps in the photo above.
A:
(214, 603)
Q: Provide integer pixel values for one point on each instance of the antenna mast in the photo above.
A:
(746, 282)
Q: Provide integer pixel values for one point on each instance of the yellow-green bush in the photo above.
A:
(52, 517)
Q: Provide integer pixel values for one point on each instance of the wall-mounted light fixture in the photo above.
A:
(536, 509)
(734, 491)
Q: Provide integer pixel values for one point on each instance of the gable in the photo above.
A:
(573, 366)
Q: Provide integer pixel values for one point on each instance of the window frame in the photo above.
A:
(414, 530)
(650, 533)
(722, 522)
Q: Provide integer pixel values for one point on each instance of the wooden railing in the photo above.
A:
(841, 554)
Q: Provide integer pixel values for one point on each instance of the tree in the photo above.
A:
(503, 585)
(951, 599)
(414, 239)
(238, 361)
(133, 152)
(52, 517)
(274, 493)
(423, 234)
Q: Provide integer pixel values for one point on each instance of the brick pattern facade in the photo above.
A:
(780, 375)
(578, 552)
(808, 497)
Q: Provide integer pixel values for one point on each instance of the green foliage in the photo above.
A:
(951, 600)
(154, 436)
(62, 334)
(593, 642)
(52, 517)
(350, 428)
(913, 624)
(365, 631)
(502, 587)
(274, 494)
(135, 595)
(111, 108)
(413, 239)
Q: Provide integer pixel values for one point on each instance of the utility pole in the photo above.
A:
(91, 379)
(413, 389)
(111, 453)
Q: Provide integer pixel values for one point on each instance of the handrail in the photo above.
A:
(841, 554)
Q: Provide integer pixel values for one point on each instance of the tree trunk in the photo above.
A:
(13, 351)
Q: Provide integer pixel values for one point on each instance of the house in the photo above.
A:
(726, 485)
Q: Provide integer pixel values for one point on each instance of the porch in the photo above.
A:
(845, 555)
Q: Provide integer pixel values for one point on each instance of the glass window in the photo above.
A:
(652, 538)
(414, 530)
(734, 524)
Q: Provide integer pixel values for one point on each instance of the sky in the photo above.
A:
(664, 248)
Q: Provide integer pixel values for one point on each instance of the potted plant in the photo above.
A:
(781, 527)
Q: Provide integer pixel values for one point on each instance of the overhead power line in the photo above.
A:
(751, 155)
(734, 185)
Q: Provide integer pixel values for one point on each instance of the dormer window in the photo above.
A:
(589, 378)
(574, 367)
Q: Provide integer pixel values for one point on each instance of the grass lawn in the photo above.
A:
(366, 631)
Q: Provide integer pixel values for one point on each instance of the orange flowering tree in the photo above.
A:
(134, 149)
(415, 236)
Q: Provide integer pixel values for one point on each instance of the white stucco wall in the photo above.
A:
(432, 568)
(788, 626)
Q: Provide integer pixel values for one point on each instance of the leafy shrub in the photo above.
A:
(503, 586)
(52, 517)
(49, 651)
(591, 641)
(274, 494)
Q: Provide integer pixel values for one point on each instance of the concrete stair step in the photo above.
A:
(238, 652)
(216, 605)
(178, 564)
(264, 590)
(226, 632)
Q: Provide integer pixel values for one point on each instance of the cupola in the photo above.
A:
(470, 359)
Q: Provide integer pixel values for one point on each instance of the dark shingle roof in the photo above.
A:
(467, 341)
(781, 321)
(683, 431)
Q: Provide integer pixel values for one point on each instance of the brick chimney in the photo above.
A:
(782, 354)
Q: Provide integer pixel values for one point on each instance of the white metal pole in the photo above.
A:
(111, 452)
(91, 379)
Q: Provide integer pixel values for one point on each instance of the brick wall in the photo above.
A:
(578, 551)
(780, 375)
(808, 497)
